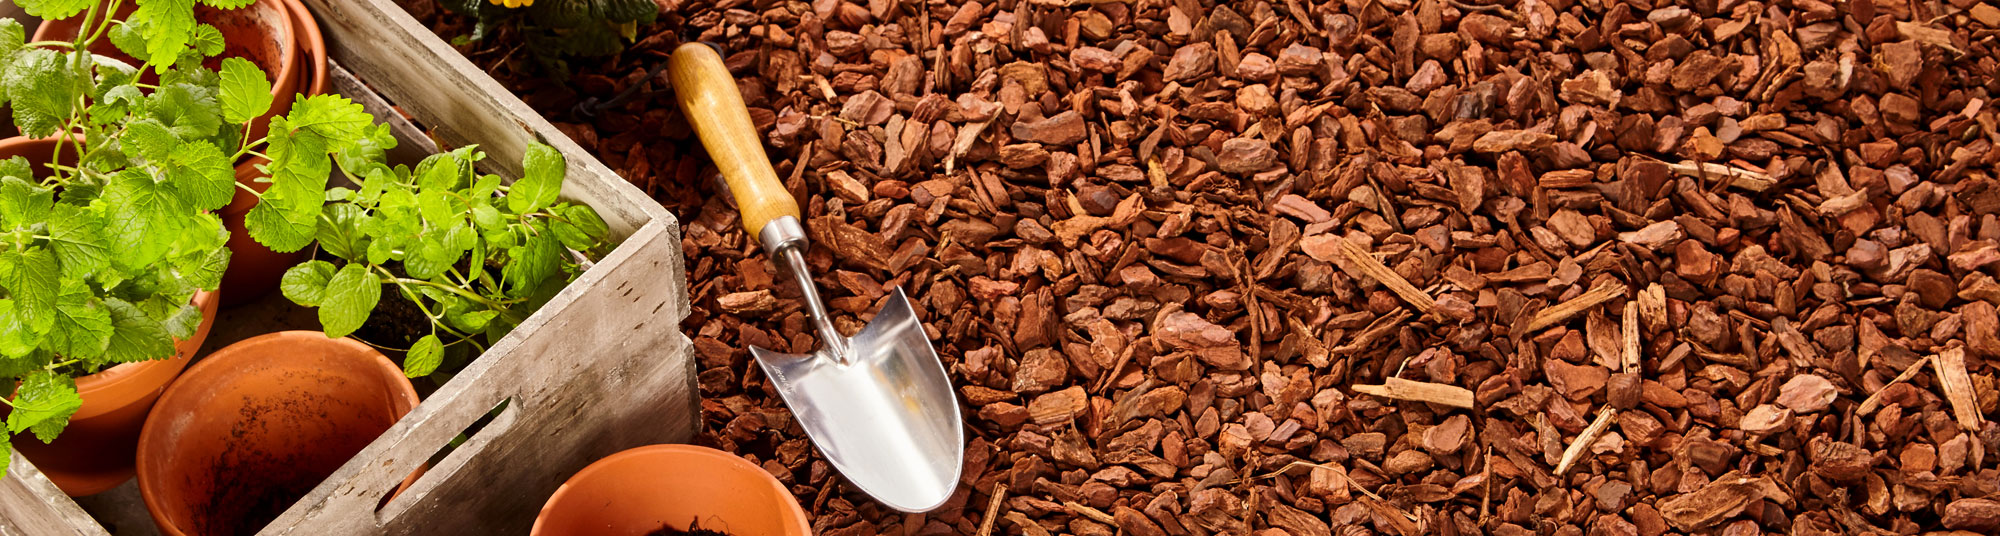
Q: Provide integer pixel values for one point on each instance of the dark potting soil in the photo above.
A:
(694, 529)
(396, 322)
(249, 487)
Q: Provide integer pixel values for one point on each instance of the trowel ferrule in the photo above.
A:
(785, 240)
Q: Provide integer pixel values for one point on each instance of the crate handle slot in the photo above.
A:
(449, 458)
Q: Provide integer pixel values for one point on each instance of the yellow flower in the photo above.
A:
(513, 3)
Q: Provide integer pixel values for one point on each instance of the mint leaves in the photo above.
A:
(471, 259)
(102, 250)
(246, 94)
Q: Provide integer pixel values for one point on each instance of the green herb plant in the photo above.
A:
(551, 31)
(474, 256)
(101, 253)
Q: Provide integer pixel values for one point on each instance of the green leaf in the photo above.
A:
(172, 24)
(436, 208)
(440, 172)
(22, 202)
(334, 120)
(580, 229)
(16, 167)
(305, 284)
(339, 230)
(12, 36)
(531, 262)
(424, 357)
(246, 91)
(73, 235)
(205, 271)
(182, 321)
(541, 180)
(129, 36)
(16, 339)
(473, 320)
(269, 226)
(350, 296)
(43, 403)
(148, 138)
(54, 9)
(134, 335)
(191, 110)
(33, 283)
(143, 218)
(228, 4)
(44, 91)
(201, 174)
(116, 104)
(487, 217)
(208, 40)
(82, 325)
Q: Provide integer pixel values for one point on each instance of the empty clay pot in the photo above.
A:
(255, 426)
(95, 452)
(642, 490)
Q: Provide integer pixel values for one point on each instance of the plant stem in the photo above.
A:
(482, 300)
(107, 21)
(62, 44)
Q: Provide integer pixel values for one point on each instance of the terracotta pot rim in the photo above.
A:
(229, 356)
(288, 42)
(118, 374)
(682, 454)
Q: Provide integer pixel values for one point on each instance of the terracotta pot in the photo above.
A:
(312, 49)
(254, 270)
(95, 452)
(641, 490)
(255, 426)
(261, 32)
(283, 39)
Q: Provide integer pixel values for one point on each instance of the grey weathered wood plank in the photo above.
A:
(31, 505)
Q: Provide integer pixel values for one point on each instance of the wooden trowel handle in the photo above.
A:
(710, 100)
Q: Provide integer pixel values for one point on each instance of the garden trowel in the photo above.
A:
(877, 404)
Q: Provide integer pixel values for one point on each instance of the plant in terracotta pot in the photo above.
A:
(109, 237)
(279, 37)
(439, 260)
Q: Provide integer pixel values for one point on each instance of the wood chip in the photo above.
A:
(1416, 391)
(1957, 386)
(1583, 440)
(1720, 173)
(1562, 312)
(1358, 262)
(1874, 400)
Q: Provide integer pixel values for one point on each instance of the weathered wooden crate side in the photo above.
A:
(601, 368)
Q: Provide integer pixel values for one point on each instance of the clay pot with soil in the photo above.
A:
(281, 37)
(256, 425)
(94, 453)
(672, 489)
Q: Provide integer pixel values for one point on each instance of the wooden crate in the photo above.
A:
(601, 368)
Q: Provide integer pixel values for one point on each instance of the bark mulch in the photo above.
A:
(1365, 267)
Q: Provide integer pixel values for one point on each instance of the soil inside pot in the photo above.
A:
(253, 487)
(694, 529)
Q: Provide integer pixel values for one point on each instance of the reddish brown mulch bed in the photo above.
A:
(1372, 266)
